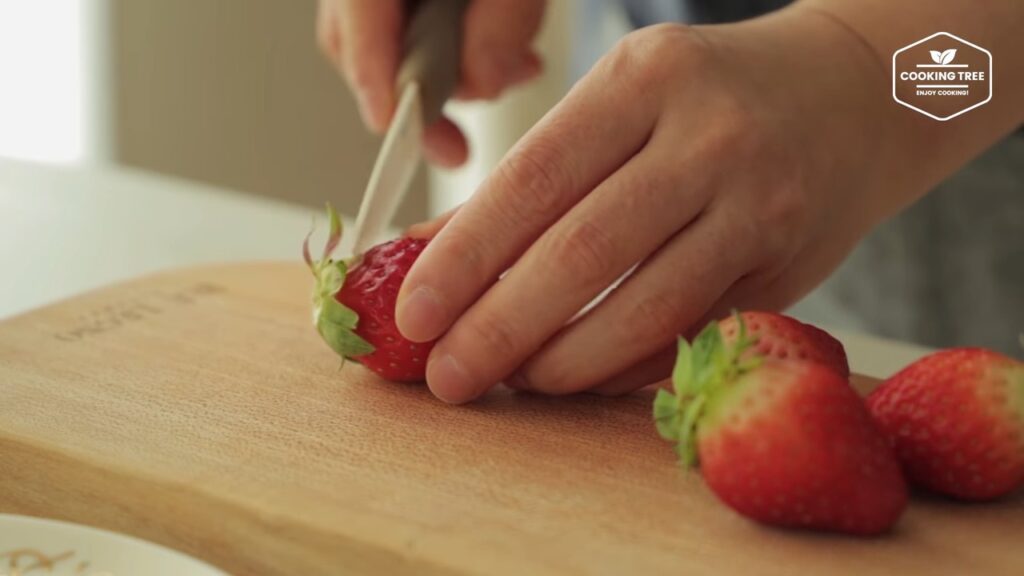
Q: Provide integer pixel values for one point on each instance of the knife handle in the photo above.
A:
(432, 53)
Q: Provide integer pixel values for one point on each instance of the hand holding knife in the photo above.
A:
(427, 77)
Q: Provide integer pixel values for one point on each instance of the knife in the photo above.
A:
(431, 51)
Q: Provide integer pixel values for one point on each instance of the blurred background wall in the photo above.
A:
(235, 93)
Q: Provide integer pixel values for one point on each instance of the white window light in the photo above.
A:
(42, 90)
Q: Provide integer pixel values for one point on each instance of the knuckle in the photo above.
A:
(783, 206)
(493, 337)
(535, 179)
(464, 251)
(483, 72)
(735, 133)
(552, 376)
(656, 317)
(652, 55)
(583, 252)
(621, 59)
(779, 190)
(680, 46)
(782, 213)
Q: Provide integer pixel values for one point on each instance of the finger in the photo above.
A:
(766, 290)
(593, 245)
(781, 285)
(430, 228)
(496, 46)
(601, 123)
(371, 38)
(661, 299)
(528, 67)
(653, 369)
(327, 31)
(740, 296)
(444, 144)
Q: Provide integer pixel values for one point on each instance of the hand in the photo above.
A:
(731, 165)
(363, 40)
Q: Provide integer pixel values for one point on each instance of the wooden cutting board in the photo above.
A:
(198, 409)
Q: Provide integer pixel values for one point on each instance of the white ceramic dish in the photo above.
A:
(30, 546)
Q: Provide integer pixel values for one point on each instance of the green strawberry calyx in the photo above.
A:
(703, 368)
(335, 322)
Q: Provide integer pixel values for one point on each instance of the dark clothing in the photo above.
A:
(646, 12)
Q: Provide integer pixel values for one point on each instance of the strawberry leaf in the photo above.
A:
(682, 372)
(702, 369)
(342, 339)
(331, 278)
(306, 256)
(707, 349)
(335, 322)
(687, 446)
(334, 235)
(337, 313)
(666, 415)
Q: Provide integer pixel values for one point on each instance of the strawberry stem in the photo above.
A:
(306, 256)
(334, 236)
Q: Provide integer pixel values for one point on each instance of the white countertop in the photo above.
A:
(66, 230)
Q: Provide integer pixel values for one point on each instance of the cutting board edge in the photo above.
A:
(195, 271)
(202, 540)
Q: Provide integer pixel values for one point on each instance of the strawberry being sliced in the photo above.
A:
(956, 420)
(354, 307)
(786, 443)
(786, 338)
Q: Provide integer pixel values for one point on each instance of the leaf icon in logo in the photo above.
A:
(936, 56)
(948, 55)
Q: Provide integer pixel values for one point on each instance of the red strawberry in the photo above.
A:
(354, 310)
(956, 419)
(786, 338)
(781, 442)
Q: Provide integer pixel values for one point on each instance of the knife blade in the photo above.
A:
(392, 172)
(428, 76)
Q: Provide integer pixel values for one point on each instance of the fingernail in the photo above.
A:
(420, 315)
(449, 381)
